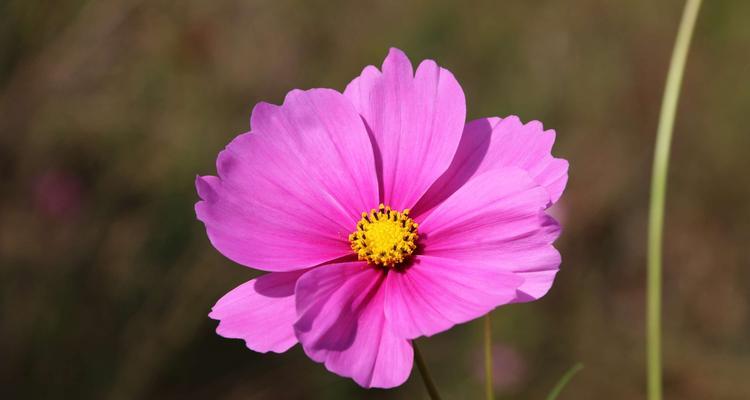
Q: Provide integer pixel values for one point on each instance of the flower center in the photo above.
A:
(385, 237)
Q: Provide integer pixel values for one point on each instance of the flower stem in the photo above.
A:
(564, 381)
(489, 389)
(426, 378)
(658, 193)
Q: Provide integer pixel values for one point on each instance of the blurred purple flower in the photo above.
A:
(509, 367)
(382, 216)
(57, 194)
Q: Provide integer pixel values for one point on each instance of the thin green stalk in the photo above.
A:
(489, 390)
(564, 381)
(429, 384)
(658, 193)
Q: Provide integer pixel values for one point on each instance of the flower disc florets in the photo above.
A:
(385, 237)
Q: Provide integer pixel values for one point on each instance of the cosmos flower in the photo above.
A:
(380, 216)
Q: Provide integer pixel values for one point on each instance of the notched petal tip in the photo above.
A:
(291, 97)
(205, 187)
(428, 64)
(535, 125)
(228, 159)
(397, 62)
(512, 119)
(278, 349)
(261, 109)
(370, 70)
(396, 52)
(294, 95)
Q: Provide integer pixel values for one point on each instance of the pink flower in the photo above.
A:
(381, 216)
(58, 194)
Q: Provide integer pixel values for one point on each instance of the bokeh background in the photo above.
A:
(108, 110)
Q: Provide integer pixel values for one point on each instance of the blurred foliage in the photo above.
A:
(109, 109)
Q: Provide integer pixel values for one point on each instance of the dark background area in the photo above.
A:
(108, 110)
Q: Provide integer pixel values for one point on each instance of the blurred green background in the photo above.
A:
(108, 110)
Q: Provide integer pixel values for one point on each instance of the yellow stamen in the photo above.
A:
(385, 237)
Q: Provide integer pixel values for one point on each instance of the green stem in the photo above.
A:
(658, 193)
(489, 389)
(564, 381)
(426, 378)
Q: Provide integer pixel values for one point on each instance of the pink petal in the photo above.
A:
(261, 312)
(434, 294)
(415, 121)
(342, 324)
(492, 143)
(496, 219)
(290, 192)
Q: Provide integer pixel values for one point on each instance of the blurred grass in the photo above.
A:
(109, 109)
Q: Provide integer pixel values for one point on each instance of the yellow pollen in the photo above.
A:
(385, 237)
